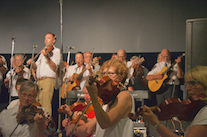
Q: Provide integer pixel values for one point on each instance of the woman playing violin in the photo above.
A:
(8, 118)
(196, 84)
(112, 119)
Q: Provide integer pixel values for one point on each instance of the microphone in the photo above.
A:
(71, 47)
(34, 45)
(13, 37)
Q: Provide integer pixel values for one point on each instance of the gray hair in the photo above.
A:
(29, 86)
(134, 58)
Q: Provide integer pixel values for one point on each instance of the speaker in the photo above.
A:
(196, 43)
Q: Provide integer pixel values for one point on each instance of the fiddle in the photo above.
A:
(107, 88)
(48, 50)
(79, 106)
(173, 107)
(27, 114)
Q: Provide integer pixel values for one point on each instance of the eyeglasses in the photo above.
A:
(108, 73)
(24, 95)
(191, 83)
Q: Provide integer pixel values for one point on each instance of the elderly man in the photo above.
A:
(173, 77)
(87, 60)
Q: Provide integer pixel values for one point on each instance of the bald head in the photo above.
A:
(165, 53)
(121, 54)
(87, 57)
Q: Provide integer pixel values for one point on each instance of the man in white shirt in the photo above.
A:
(79, 68)
(3, 69)
(121, 55)
(46, 67)
(19, 71)
(176, 72)
(87, 60)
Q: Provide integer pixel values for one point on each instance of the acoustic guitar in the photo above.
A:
(158, 85)
(77, 80)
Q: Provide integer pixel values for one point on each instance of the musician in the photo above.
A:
(46, 67)
(3, 69)
(78, 68)
(121, 55)
(87, 60)
(8, 120)
(17, 87)
(195, 85)
(139, 75)
(159, 58)
(111, 119)
(74, 115)
(19, 71)
(173, 77)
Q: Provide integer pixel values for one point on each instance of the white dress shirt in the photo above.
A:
(74, 69)
(43, 68)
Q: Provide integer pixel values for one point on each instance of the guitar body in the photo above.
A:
(71, 86)
(155, 85)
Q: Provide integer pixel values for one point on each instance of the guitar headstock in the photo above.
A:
(95, 61)
(140, 60)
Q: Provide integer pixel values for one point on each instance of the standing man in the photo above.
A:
(121, 55)
(46, 67)
(19, 71)
(78, 68)
(176, 73)
(3, 69)
(87, 60)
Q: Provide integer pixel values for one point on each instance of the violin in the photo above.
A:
(79, 106)
(107, 88)
(184, 110)
(48, 50)
(27, 114)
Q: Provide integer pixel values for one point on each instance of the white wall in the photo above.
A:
(135, 25)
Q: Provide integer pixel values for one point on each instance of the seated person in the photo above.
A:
(66, 110)
(17, 86)
(111, 119)
(8, 118)
(196, 86)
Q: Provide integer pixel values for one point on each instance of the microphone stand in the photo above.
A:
(61, 61)
(11, 63)
(34, 47)
(66, 81)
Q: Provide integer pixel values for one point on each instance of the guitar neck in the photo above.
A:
(79, 75)
(173, 64)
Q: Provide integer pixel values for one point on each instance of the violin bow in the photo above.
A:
(83, 112)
